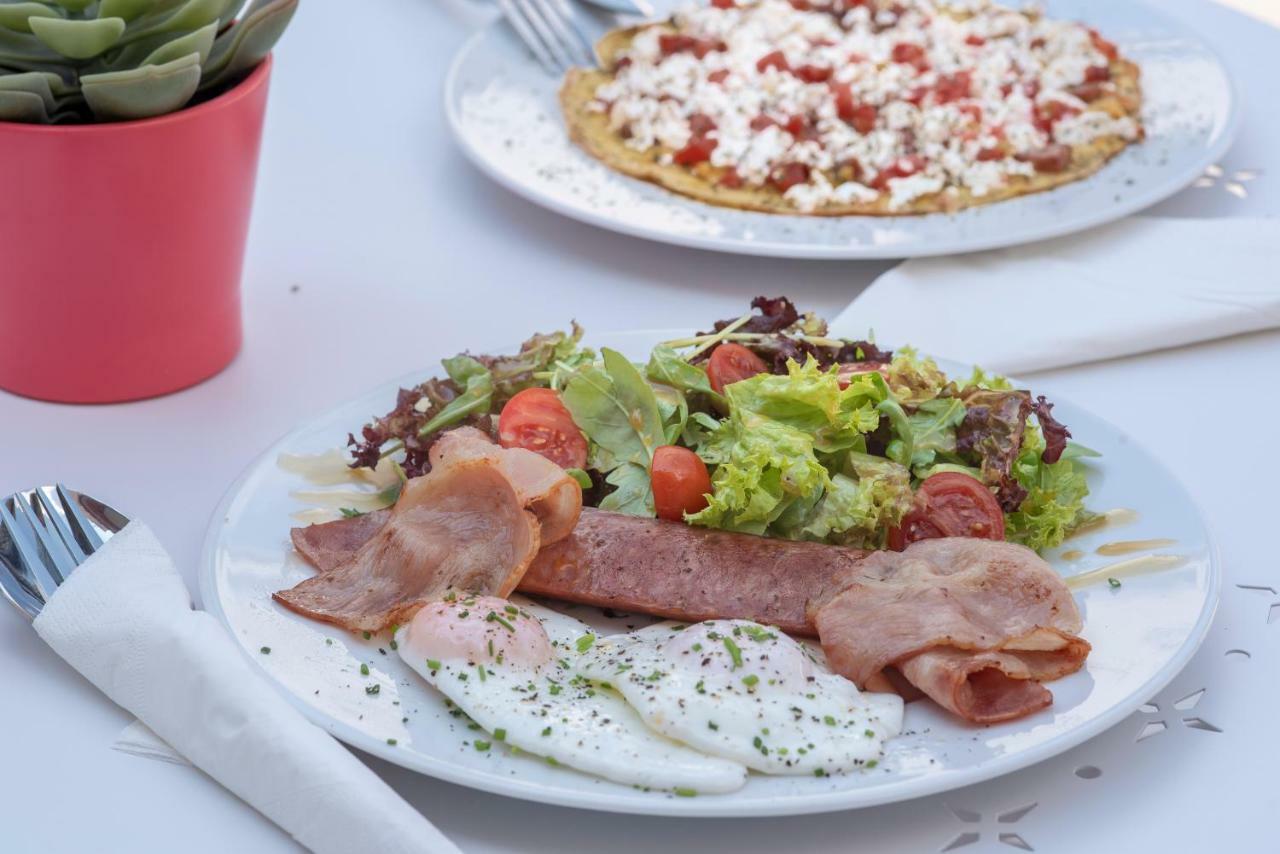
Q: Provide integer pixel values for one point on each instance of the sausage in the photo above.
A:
(673, 570)
(651, 566)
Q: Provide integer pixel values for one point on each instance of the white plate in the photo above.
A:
(1142, 635)
(503, 112)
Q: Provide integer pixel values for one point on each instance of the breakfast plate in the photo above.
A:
(1143, 628)
(502, 109)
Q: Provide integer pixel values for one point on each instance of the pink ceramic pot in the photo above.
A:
(121, 247)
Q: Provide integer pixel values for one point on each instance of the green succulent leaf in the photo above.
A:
(128, 9)
(248, 41)
(37, 83)
(16, 16)
(138, 93)
(200, 41)
(20, 106)
(74, 5)
(78, 39)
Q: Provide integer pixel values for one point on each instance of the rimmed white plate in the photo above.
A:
(1142, 634)
(503, 112)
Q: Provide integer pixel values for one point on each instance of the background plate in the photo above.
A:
(1142, 635)
(502, 109)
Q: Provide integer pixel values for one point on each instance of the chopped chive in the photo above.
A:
(492, 617)
(432, 664)
(871, 763)
(818, 772)
(364, 669)
(828, 720)
(584, 643)
(328, 641)
(367, 635)
(685, 793)
(500, 734)
(869, 733)
(712, 725)
(512, 610)
(266, 650)
(1114, 582)
(480, 671)
(547, 731)
(373, 689)
(482, 745)
(394, 645)
(734, 652)
(391, 741)
(750, 680)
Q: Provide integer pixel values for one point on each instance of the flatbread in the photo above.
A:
(590, 130)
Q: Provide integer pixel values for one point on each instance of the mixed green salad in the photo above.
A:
(765, 425)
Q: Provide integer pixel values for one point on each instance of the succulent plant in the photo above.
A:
(112, 60)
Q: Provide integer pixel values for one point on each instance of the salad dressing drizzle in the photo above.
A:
(1140, 565)
(1072, 554)
(1125, 547)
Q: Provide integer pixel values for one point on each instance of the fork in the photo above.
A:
(45, 533)
(550, 29)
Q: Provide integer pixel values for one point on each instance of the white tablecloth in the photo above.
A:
(371, 229)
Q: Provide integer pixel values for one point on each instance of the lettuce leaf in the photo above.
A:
(770, 477)
(1054, 506)
(476, 382)
(913, 379)
(617, 409)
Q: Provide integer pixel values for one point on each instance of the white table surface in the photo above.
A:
(376, 247)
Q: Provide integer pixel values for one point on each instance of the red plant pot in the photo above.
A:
(121, 248)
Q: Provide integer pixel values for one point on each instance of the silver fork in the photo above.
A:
(550, 29)
(45, 533)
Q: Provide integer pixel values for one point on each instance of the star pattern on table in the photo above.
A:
(1233, 183)
(1273, 609)
(976, 826)
(1155, 726)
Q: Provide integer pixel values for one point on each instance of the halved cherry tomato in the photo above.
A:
(536, 420)
(950, 504)
(731, 362)
(680, 482)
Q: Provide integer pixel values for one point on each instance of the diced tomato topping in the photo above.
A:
(1097, 73)
(909, 54)
(718, 76)
(723, 4)
(1104, 47)
(1088, 92)
(990, 154)
(814, 73)
(901, 168)
(800, 5)
(953, 87)
(777, 59)
(670, 43)
(1052, 158)
(857, 57)
(787, 175)
(697, 151)
(861, 116)
(800, 127)
(1031, 88)
(731, 179)
(701, 124)
(974, 40)
(849, 170)
(1052, 112)
(917, 95)
(622, 63)
(973, 111)
(761, 122)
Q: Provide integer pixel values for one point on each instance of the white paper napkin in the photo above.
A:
(124, 620)
(1142, 284)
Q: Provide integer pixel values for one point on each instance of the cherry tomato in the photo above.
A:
(536, 420)
(731, 362)
(950, 504)
(680, 482)
(814, 73)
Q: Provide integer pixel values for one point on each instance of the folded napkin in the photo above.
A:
(124, 620)
(1142, 284)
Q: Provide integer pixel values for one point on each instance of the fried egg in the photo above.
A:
(747, 693)
(508, 665)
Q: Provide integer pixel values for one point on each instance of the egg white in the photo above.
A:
(537, 702)
(747, 693)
